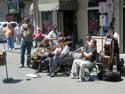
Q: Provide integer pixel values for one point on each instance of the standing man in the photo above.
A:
(26, 32)
(114, 36)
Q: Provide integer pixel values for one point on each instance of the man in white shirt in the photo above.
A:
(53, 35)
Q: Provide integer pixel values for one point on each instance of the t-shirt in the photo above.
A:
(94, 53)
(27, 32)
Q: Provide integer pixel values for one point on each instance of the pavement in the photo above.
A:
(23, 84)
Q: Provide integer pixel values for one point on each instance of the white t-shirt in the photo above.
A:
(51, 34)
(65, 50)
(116, 36)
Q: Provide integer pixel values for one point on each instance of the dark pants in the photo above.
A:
(56, 62)
(25, 46)
(44, 61)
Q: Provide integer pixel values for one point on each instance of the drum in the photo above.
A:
(2, 58)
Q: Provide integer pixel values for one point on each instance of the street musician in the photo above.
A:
(112, 48)
(54, 56)
(87, 62)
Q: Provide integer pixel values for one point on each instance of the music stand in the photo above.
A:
(7, 79)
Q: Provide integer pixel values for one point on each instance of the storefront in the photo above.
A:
(80, 17)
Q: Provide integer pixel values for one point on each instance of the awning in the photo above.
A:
(49, 5)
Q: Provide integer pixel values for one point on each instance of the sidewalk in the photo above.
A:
(23, 84)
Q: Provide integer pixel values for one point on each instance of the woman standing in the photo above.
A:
(9, 33)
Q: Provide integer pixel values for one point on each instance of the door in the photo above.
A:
(70, 27)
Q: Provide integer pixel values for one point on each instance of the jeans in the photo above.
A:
(10, 42)
(25, 46)
(55, 62)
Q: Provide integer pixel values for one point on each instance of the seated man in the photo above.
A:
(59, 56)
(86, 62)
(44, 55)
(54, 57)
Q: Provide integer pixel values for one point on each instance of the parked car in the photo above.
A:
(3, 25)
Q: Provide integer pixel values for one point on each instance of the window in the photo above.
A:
(93, 17)
(93, 22)
(47, 21)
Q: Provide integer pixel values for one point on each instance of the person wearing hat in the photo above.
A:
(55, 57)
(59, 54)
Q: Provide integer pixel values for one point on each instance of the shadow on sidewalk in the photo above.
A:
(13, 81)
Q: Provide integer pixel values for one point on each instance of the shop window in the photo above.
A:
(93, 22)
(93, 3)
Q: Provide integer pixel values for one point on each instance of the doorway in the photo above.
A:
(70, 25)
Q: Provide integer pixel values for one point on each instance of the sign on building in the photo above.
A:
(102, 7)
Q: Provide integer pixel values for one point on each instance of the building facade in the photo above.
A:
(14, 10)
(77, 17)
(88, 10)
(82, 17)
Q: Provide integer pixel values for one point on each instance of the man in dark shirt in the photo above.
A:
(87, 62)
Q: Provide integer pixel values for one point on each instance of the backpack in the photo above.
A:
(112, 76)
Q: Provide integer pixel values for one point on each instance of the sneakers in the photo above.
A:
(53, 74)
(82, 80)
(74, 77)
(21, 66)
